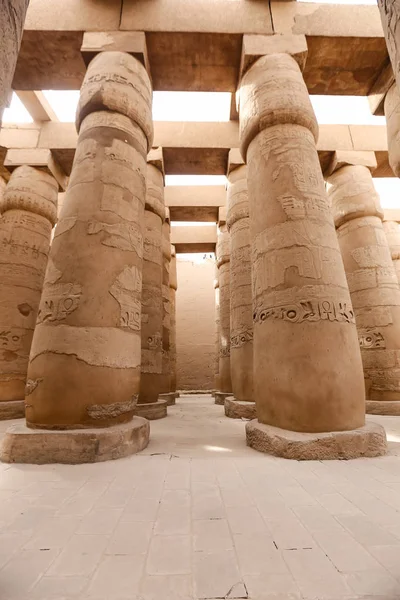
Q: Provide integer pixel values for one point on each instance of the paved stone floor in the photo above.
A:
(198, 515)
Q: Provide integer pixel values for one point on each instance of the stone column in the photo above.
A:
(392, 231)
(372, 280)
(217, 382)
(390, 16)
(242, 404)
(223, 262)
(308, 378)
(29, 212)
(166, 337)
(12, 19)
(84, 370)
(173, 286)
(149, 405)
(392, 114)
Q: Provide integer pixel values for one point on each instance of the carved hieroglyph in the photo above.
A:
(173, 286)
(390, 17)
(392, 231)
(29, 212)
(307, 364)
(223, 251)
(152, 302)
(85, 360)
(392, 114)
(217, 382)
(371, 276)
(241, 331)
(166, 252)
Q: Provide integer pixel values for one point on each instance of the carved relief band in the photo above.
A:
(28, 213)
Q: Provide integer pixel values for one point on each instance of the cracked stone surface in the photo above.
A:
(200, 516)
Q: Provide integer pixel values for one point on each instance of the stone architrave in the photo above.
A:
(372, 281)
(84, 369)
(308, 377)
(173, 286)
(390, 17)
(149, 406)
(223, 252)
(392, 231)
(12, 19)
(217, 382)
(29, 212)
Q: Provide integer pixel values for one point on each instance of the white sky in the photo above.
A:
(214, 106)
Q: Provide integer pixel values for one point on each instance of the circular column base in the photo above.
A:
(367, 441)
(240, 409)
(383, 407)
(170, 398)
(74, 446)
(15, 409)
(152, 411)
(220, 397)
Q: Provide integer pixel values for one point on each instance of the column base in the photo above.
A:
(152, 411)
(74, 446)
(383, 407)
(366, 441)
(15, 409)
(170, 398)
(220, 397)
(240, 409)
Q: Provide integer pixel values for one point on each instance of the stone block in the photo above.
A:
(220, 398)
(239, 409)
(383, 407)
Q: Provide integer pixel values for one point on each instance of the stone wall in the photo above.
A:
(195, 325)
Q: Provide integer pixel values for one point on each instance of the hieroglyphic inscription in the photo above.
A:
(308, 310)
(242, 338)
(127, 290)
(58, 301)
(225, 352)
(123, 236)
(371, 339)
(372, 256)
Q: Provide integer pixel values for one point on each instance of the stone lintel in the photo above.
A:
(131, 42)
(342, 158)
(156, 158)
(367, 441)
(222, 212)
(194, 238)
(377, 93)
(235, 160)
(255, 46)
(234, 113)
(37, 106)
(40, 158)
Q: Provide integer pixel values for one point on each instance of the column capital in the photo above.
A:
(38, 158)
(155, 190)
(256, 46)
(131, 42)
(343, 158)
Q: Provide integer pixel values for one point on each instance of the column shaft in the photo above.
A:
(223, 261)
(372, 281)
(166, 249)
(173, 286)
(241, 310)
(217, 382)
(392, 231)
(29, 212)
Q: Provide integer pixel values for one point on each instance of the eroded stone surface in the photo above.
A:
(239, 409)
(152, 410)
(223, 262)
(310, 378)
(86, 349)
(173, 286)
(166, 330)
(366, 441)
(170, 398)
(392, 231)
(28, 212)
(371, 277)
(241, 307)
(12, 410)
(382, 407)
(33, 446)
(220, 397)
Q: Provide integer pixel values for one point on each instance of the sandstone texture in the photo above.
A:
(240, 409)
(223, 262)
(152, 410)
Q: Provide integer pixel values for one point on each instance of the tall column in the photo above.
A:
(242, 404)
(166, 337)
(217, 382)
(392, 231)
(390, 15)
(149, 405)
(12, 19)
(173, 286)
(372, 280)
(84, 369)
(223, 263)
(29, 212)
(308, 378)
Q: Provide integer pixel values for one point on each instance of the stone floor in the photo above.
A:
(199, 515)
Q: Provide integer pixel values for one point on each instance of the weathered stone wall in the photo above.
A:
(195, 325)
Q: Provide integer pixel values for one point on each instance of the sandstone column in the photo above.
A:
(242, 404)
(84, 370)
(149, 406)
(12, 19)
(372, 280)
(166, 336)
(223, 262)
(392, 231)
(390, 16)
(29, 212)
(217, 382)
(173, 286)
(308, 382)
